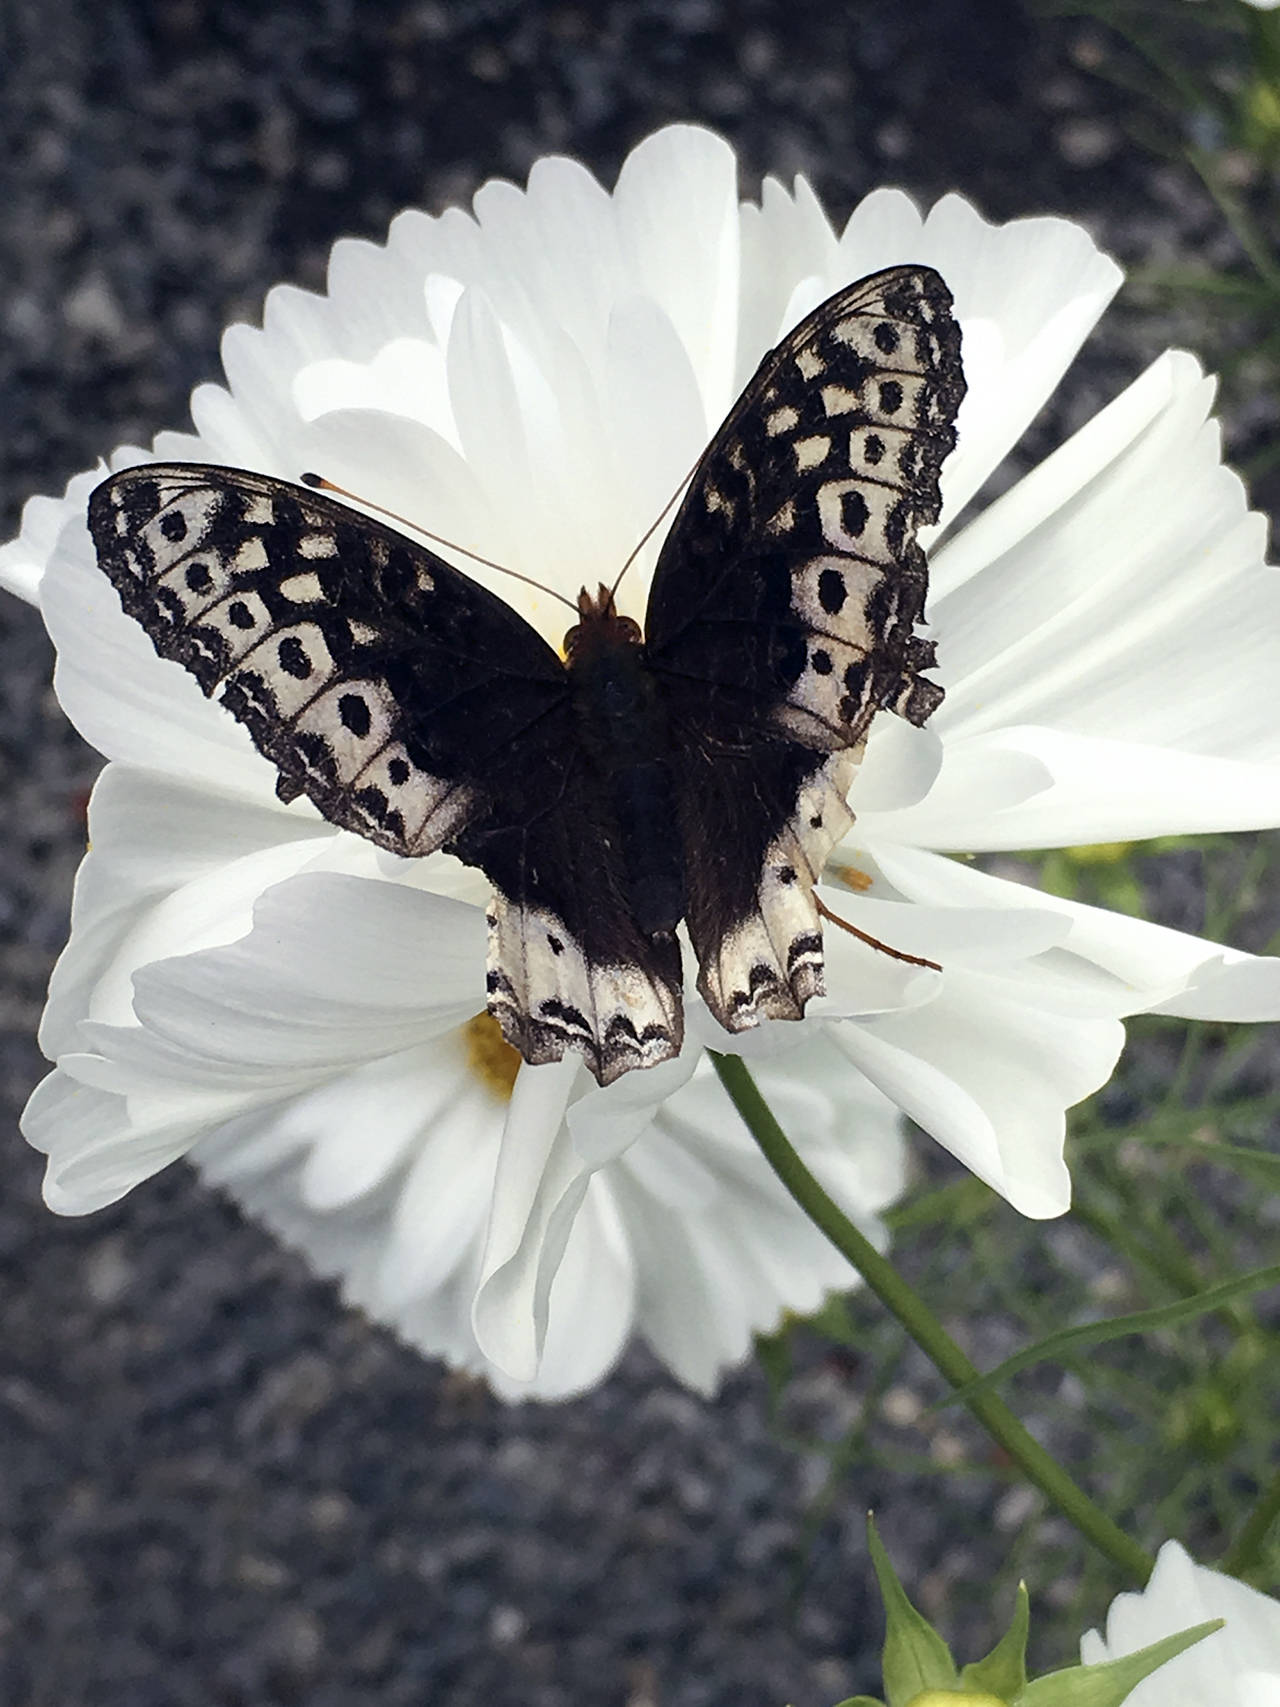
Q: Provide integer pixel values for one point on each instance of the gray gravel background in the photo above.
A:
(216, 1485)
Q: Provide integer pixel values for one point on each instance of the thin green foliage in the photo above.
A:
(1146, 1323)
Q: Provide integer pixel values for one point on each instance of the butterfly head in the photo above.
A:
(599, 625)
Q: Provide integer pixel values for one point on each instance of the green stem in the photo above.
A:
(924, 1327)
(1243, 1554)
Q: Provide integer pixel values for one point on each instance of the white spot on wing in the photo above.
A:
(251, 557)
(839, 399)
(811, 453)
(302, 589)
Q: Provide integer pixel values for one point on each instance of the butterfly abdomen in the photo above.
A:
(624, 733)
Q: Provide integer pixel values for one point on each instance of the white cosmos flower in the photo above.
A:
(1238, 1666)
(295, 1010)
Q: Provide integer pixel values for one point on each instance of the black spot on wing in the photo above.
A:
(293, 656)
(353, 709)
(831, 591)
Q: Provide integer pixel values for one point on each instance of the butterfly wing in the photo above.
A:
(782, 618)
(413, 707)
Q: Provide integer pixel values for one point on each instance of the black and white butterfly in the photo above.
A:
(695, 773)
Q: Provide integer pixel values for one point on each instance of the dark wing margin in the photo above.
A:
(783, 617)
(413, 707)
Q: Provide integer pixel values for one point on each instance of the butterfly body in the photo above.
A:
(694, 772)
(624, 731)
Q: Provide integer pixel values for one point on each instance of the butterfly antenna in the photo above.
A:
(872, 941)
(319, 482)
(654, 525)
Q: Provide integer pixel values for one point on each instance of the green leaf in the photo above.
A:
(1116, 1327)
(915, 1656)
(1004, 1671)
(860, 1701)
(1108, 1684)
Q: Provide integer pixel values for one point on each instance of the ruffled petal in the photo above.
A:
(989, 1069)
(1146, 967)
(1119, 590)
(538, 1190)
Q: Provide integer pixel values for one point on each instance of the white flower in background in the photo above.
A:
(1238, 1666)
(295, 1010)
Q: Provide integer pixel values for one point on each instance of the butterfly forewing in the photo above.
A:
(413, 707)
(354, 657)
(783, 614)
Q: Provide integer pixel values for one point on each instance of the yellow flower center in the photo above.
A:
(489, 1055)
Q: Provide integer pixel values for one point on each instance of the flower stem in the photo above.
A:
(1243, 1554)
(924, 1327)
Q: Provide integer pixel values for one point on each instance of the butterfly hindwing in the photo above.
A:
(782, 618)
(569, 968)
(413, 707)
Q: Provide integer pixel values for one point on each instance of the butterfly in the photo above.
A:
(696, 771)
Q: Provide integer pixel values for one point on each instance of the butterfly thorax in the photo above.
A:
(623, 729)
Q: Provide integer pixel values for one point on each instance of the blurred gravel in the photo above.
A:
(216, 1485)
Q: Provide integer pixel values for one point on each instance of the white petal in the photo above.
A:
(559, 239)
(148, 840)
(335, 969)
(605, 1122)
(406, 377)
(1154, 968)
(977, 783)
(97, 1149)
(591, 1308)
(787, 239)
(900, 768)
(438, 1223)
(677, 213)
(1119, 590)
(1027, 294)
(1095, 790)
(361, 1126)
(662, 431)
(539, 1188)
(375, 295)
(990, 1075)
(23, 560)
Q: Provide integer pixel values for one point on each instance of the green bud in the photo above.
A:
(920, 1672)
(949, 1698)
